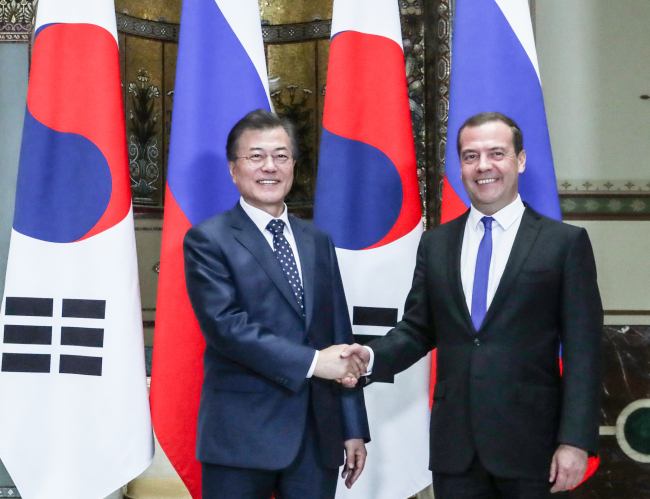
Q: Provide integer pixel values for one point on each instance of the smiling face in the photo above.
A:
(263, 186)
(489, 166)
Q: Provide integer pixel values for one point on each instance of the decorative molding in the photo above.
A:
(143, 149)
(158, 30)
(631, 187)
(279, 33)
(16, 24)
(413, 40)
(438, 40)
(299, 32)
(9, 492)
(626, 312)
(605, 206)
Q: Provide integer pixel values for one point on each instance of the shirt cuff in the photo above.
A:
(372, 361)
(310, 373)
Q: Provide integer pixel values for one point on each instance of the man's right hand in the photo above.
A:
(331, 365)
(362, 354)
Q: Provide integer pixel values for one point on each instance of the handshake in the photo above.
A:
(343, 363)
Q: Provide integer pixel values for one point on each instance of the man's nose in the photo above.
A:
(269, 164)
(483, 163)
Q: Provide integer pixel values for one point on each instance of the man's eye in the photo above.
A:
(281, 156)
(256, 157)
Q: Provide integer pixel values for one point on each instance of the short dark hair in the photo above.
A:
(485, 118)
(260, 119)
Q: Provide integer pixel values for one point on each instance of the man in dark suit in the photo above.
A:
(497, 291)
(266, 290)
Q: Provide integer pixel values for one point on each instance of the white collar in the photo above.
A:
(261, 218)
(505, 217)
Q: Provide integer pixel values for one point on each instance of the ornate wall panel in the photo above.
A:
(438, 36)
(297, 53)
(151, 10)
(294, 11)
(17, 20)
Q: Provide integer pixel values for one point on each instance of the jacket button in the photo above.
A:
(477, 342)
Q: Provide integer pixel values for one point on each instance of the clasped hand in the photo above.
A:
(343, 363)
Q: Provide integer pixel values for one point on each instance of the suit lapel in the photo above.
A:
(253, 240)
(307, 255)
(455, 281)
(524, 242)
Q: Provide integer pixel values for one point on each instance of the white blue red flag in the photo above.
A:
(367, 199)
(494, 68)
(73, 379)
(220, 77)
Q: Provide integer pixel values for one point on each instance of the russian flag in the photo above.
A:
(367, 199)
(73, 368)
(220, 77)
(494, 68)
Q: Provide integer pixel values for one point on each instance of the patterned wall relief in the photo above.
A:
(17, 20)
(604, 199)
(294, 11)
(166, 11)
(148, 52)
(297, 56)
(437, 68)
(412, 21)
(143, 144)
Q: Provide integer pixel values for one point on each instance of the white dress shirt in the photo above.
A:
(504, 230)
(261, 219)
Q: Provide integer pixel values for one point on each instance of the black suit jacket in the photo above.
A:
(499, 392)
(259, 348)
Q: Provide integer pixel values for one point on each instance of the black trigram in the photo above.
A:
(373, 316)
(42, 335)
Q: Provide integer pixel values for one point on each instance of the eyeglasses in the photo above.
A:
(258, 159)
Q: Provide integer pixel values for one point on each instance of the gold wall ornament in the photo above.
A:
(17, 20)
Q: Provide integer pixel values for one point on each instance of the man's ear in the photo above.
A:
(231, 166)
(522, 161)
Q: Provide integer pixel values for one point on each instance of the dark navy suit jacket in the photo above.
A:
(259, 348)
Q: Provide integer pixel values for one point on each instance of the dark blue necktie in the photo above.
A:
(283, 252)
(481, 275)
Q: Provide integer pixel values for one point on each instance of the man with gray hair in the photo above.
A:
(266, 290)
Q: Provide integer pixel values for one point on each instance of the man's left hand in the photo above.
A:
(355, 460)
(568, 467)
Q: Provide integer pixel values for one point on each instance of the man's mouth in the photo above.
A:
(486, 181)
(268, 182)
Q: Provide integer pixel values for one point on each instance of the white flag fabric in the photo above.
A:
(76, 423)
(367, 199)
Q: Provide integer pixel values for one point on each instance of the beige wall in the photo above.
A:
(621, 251)
(593, 58)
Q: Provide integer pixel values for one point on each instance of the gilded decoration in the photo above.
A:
(412, 21)
(17, 20)
(166, 11)
(143, 145)
(296, 36)
(294, 11)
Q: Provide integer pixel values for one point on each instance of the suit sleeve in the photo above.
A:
(414, 336)
(581, 337)
(353, 406)
(227, 327)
